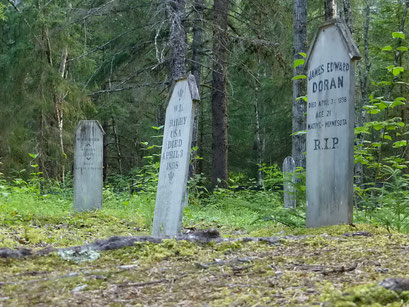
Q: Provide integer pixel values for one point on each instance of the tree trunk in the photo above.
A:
(117, 145)
(105, 151)
(219, 94)
(330, 9)
(363, 80)
(176, 12)
(299, 86)
(347, 14)
(197, 46)
(59, 111)
(259, 142)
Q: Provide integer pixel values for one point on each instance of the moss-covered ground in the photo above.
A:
(304, 270)
(333, 266)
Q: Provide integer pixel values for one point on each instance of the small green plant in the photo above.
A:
(389, 204)
(146, 178)
(273, 177)
(197, 189)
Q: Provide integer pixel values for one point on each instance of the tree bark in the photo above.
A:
(347, 14)
(176, 13)
(219, 94)
(330, 9)
(197, 49)
(299, 86)
(59, 110)
(259, 141)
(117, 146)
(363, 80)
(105, 151)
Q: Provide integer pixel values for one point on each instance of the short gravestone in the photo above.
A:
(289, 182)
(88, 158)
(174, 164)
(330, 125)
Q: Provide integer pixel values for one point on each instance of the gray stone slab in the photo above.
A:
(289, 182)
(174, 165)
(88, 158)
(330, 126)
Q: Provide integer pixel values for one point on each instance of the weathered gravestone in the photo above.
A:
(88, 157)
(174, 164)
(289, 182)
(330, 125)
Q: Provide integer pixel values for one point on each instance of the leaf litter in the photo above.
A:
(332, 266)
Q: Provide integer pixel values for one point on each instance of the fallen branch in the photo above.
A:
(152, 282)
(117, 242)
(358, 233)
(326, 270)
(341, 269)
(85, 274)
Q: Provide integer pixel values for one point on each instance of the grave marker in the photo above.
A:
(289, 182)
(174, 164)
(330, 125)
(88, 156)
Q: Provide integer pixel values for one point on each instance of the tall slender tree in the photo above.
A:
(299, 86)
(197, 51)
(177, 40)
(219, 93)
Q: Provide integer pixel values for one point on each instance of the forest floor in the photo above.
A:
(331, 266)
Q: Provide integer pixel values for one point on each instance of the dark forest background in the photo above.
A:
(63, 61)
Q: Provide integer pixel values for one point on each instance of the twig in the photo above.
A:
(115, 90)
(341, 269)
(152, 282)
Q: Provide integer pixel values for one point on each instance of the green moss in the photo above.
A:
(341, 229)
(364, 295)
(34, 235)
(271, 230)
(228, 246)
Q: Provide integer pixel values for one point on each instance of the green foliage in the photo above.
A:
(387, 205)
(2, 16)
(384, 136)
(144, 178)
(383, 199)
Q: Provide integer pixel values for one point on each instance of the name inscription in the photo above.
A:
(174, 144)
(89, 153)
(323, 115)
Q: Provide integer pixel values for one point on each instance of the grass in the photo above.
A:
(29, 218)
(51, 221)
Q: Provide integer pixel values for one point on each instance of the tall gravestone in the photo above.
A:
(88, 158)
(174, 164)
(330, 125)
(289, 182)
